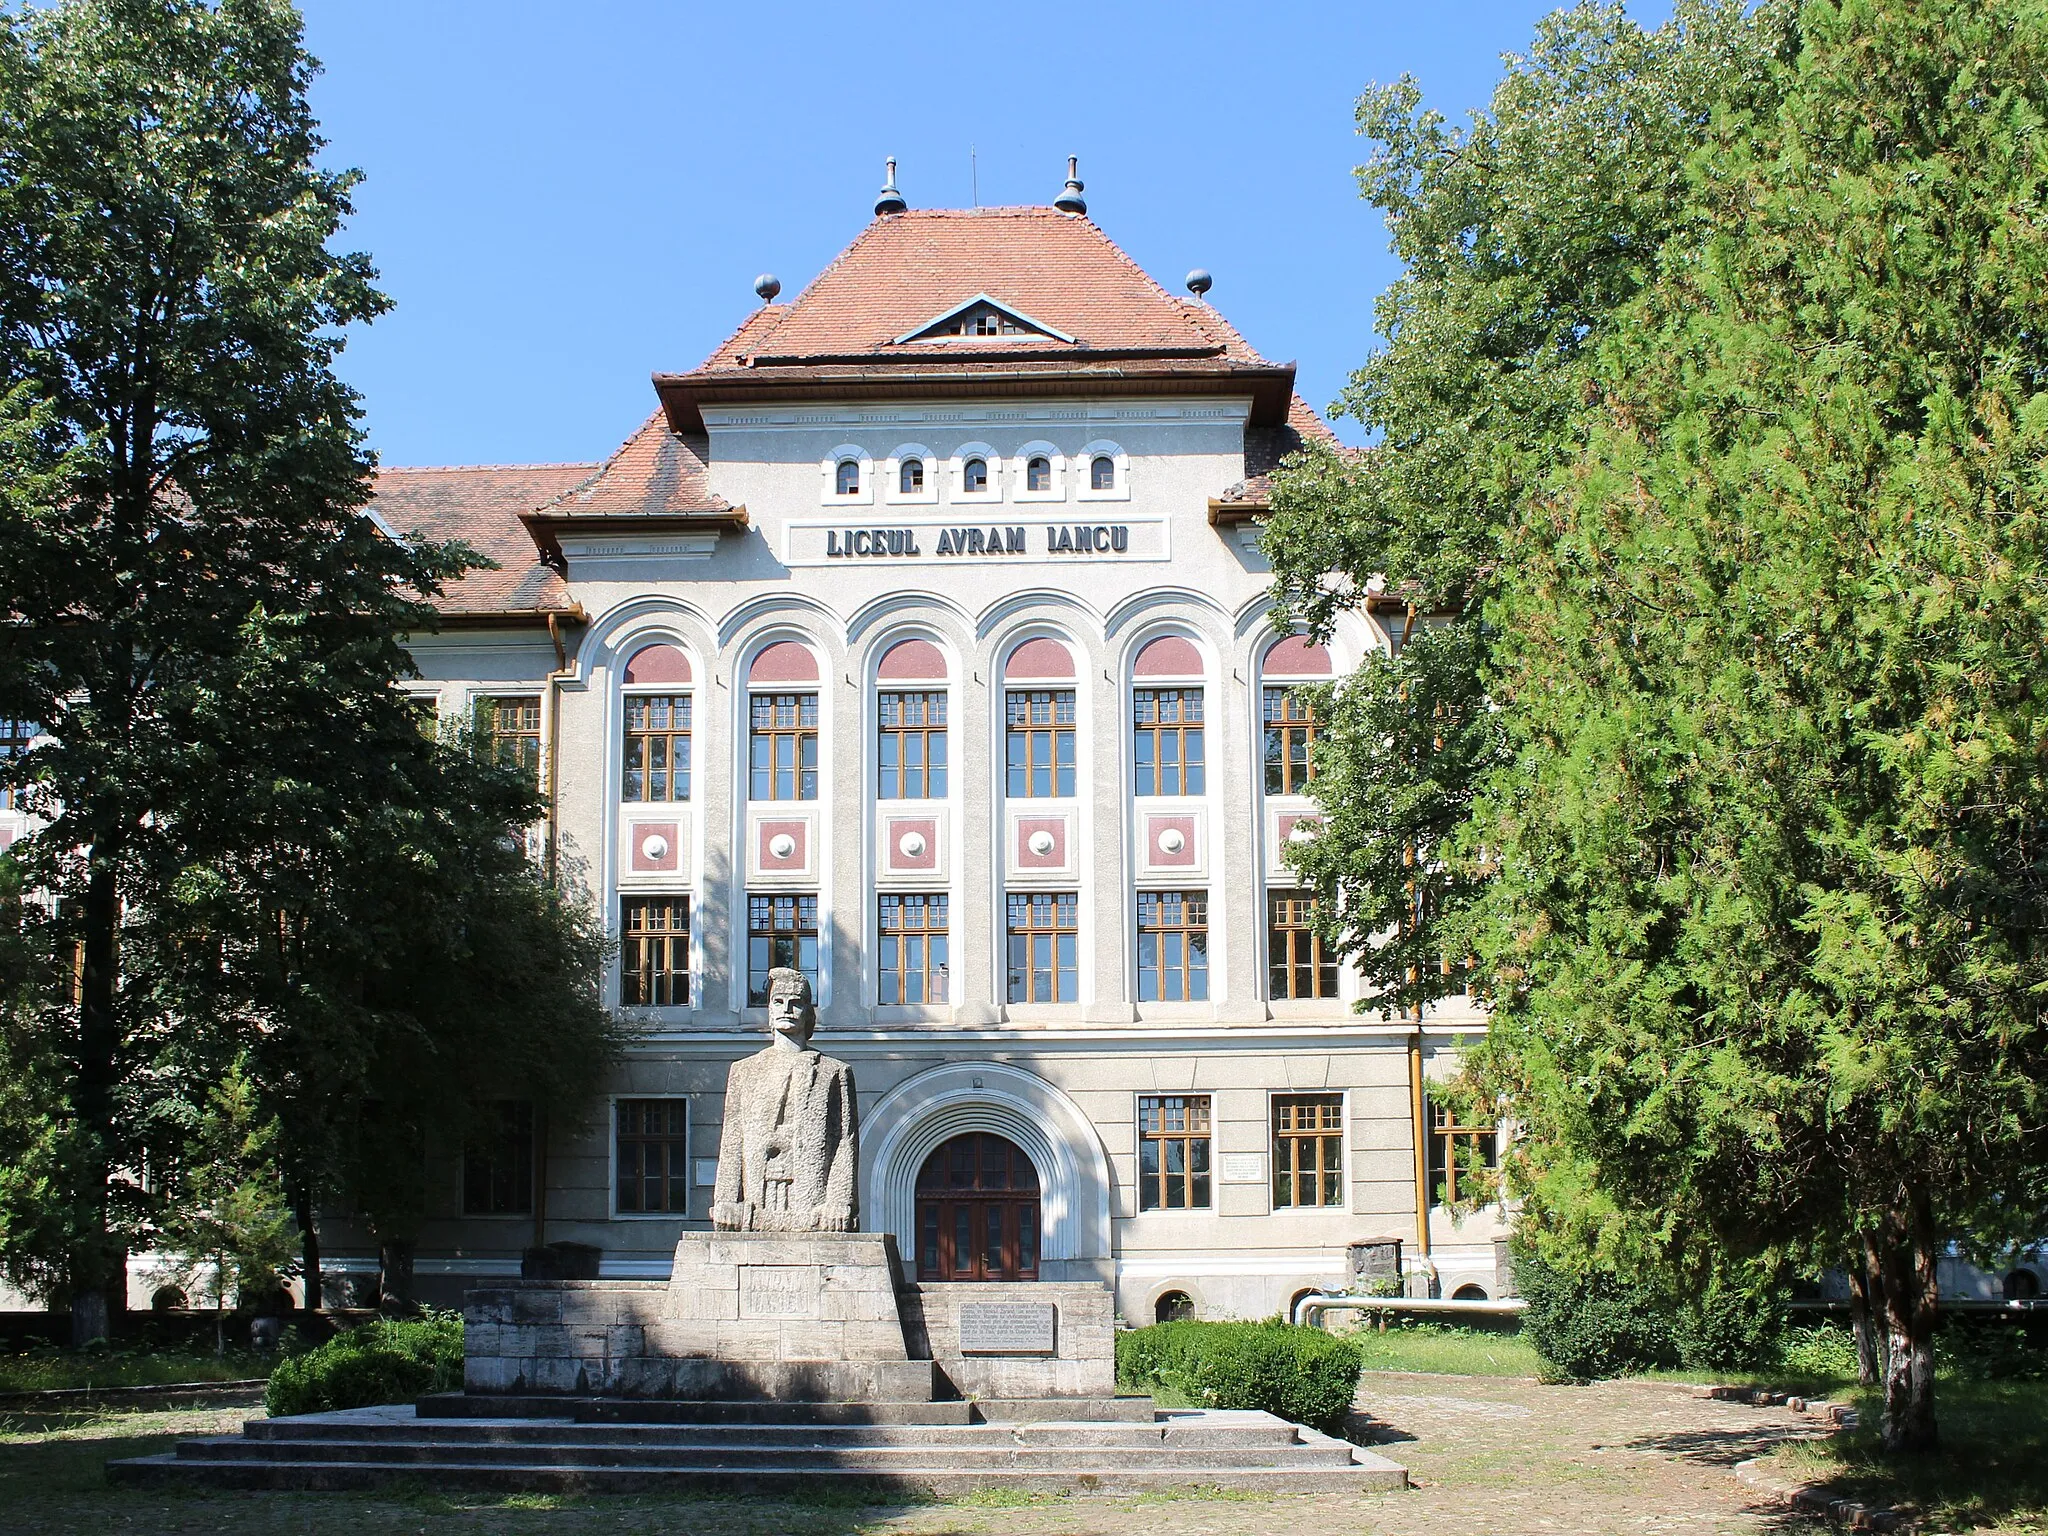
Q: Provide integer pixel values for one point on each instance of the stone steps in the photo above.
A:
(371, 1448)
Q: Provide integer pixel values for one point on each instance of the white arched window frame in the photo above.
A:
(864, 483)
(1020, 473)
(892, 476)
(956, 475)
(1120, 476)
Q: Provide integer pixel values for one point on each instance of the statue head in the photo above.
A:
(791, 1013)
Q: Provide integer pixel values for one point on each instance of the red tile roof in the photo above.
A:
(654, 473)
(480, 504)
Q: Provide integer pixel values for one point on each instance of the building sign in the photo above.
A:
(998, 541)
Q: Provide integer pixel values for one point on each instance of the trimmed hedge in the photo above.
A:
(1302, 1374)
(380, 1362)
(1601, 1323)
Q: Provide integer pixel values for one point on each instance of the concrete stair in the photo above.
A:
(943, 1456)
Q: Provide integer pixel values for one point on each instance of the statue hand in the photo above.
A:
(835, 1218)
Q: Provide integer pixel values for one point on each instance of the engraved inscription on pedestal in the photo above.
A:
(779, 1290)
(1008, 1327)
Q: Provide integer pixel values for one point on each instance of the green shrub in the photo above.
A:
(1586, 1326)
(1822, 1351)
(1731, 1327)
(1990, 1349)
(380, 1362)
(1302, 1374)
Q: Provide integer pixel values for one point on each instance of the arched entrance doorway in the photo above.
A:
(977, 1211)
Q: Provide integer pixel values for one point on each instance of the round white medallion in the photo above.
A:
(1040, 842)
(911, 845)
(1172, 840)
(1301, 831)
(654, 847)
(781, 845)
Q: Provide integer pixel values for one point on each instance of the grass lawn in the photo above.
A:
(1451, 1351)
(1991, 1470)
(46, 1369)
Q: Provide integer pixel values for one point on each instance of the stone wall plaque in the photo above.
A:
(1242, 1167)
(779, 1290)
(1008, 1327)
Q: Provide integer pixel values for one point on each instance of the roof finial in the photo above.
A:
(1200, 282)
(767, 285)
(1071, 200)
(890, 200)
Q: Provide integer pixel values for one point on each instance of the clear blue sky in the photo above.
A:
(563, 198)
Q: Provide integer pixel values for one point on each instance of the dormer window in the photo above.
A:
(846, 479)
(910, 478)
(1102, 473)
(1038, 474)
(974, 477)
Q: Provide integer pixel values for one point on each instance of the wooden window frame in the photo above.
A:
(802, 734)
(673, 1140)
(675, 740)
(517, 741)
(1173, 946)
(898, 939)
(1293, 725)
(948, 1210)
(1444, 1136)
(15, 737)
(654, 961)
(491, 1187)
(1170, 1123)
(1057, 940)
(1307, 1147)
(1153, 735)
(1294, 949)
(901, 735)
(785, 942)
(1055, 735)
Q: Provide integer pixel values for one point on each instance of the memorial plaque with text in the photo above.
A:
(779, 1290)
(1007, 1327)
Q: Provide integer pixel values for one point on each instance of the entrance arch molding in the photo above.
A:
(910, 1121)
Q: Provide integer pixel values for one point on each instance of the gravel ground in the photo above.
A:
(1491, 1457)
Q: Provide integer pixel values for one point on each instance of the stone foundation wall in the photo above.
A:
(1083, 1363)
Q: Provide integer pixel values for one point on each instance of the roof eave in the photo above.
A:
(546, 527)
(511, 618)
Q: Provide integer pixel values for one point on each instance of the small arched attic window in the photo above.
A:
(1102, 473)
(846, 478)
(1038, 474)
(974, 477)
(654, 665)
(910, 478)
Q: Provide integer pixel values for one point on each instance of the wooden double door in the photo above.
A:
(977, 1211)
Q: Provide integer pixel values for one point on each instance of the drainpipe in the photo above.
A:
(552, 755)
(1418, 1116)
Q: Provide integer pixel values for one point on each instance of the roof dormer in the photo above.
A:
(982, 318)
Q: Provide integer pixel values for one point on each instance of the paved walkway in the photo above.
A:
(1492, 1457)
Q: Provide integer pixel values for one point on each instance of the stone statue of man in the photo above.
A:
(789, 1156)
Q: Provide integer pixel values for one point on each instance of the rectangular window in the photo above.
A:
(1173, 946)
(1040, 744)
(910, 751)
(1297, 964)
(1457, 1149)
(1290, 730)
(1167, 747)
(1308, 1149)
(782, 747)
(512, 727)
(1173, 1152)
(1044, 944)
(782, 934)
(15, 735)
(657, 756)
(497, 1162)
(913, 959)
(654, 952)
(653, 1155)
(425, 712)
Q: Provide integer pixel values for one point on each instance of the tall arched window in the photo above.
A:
(846, 479)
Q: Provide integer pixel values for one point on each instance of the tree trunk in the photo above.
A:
(1866, 1304)
(1908, 1254)
(92, 1280)
(394, 1274)
(309, 1248)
